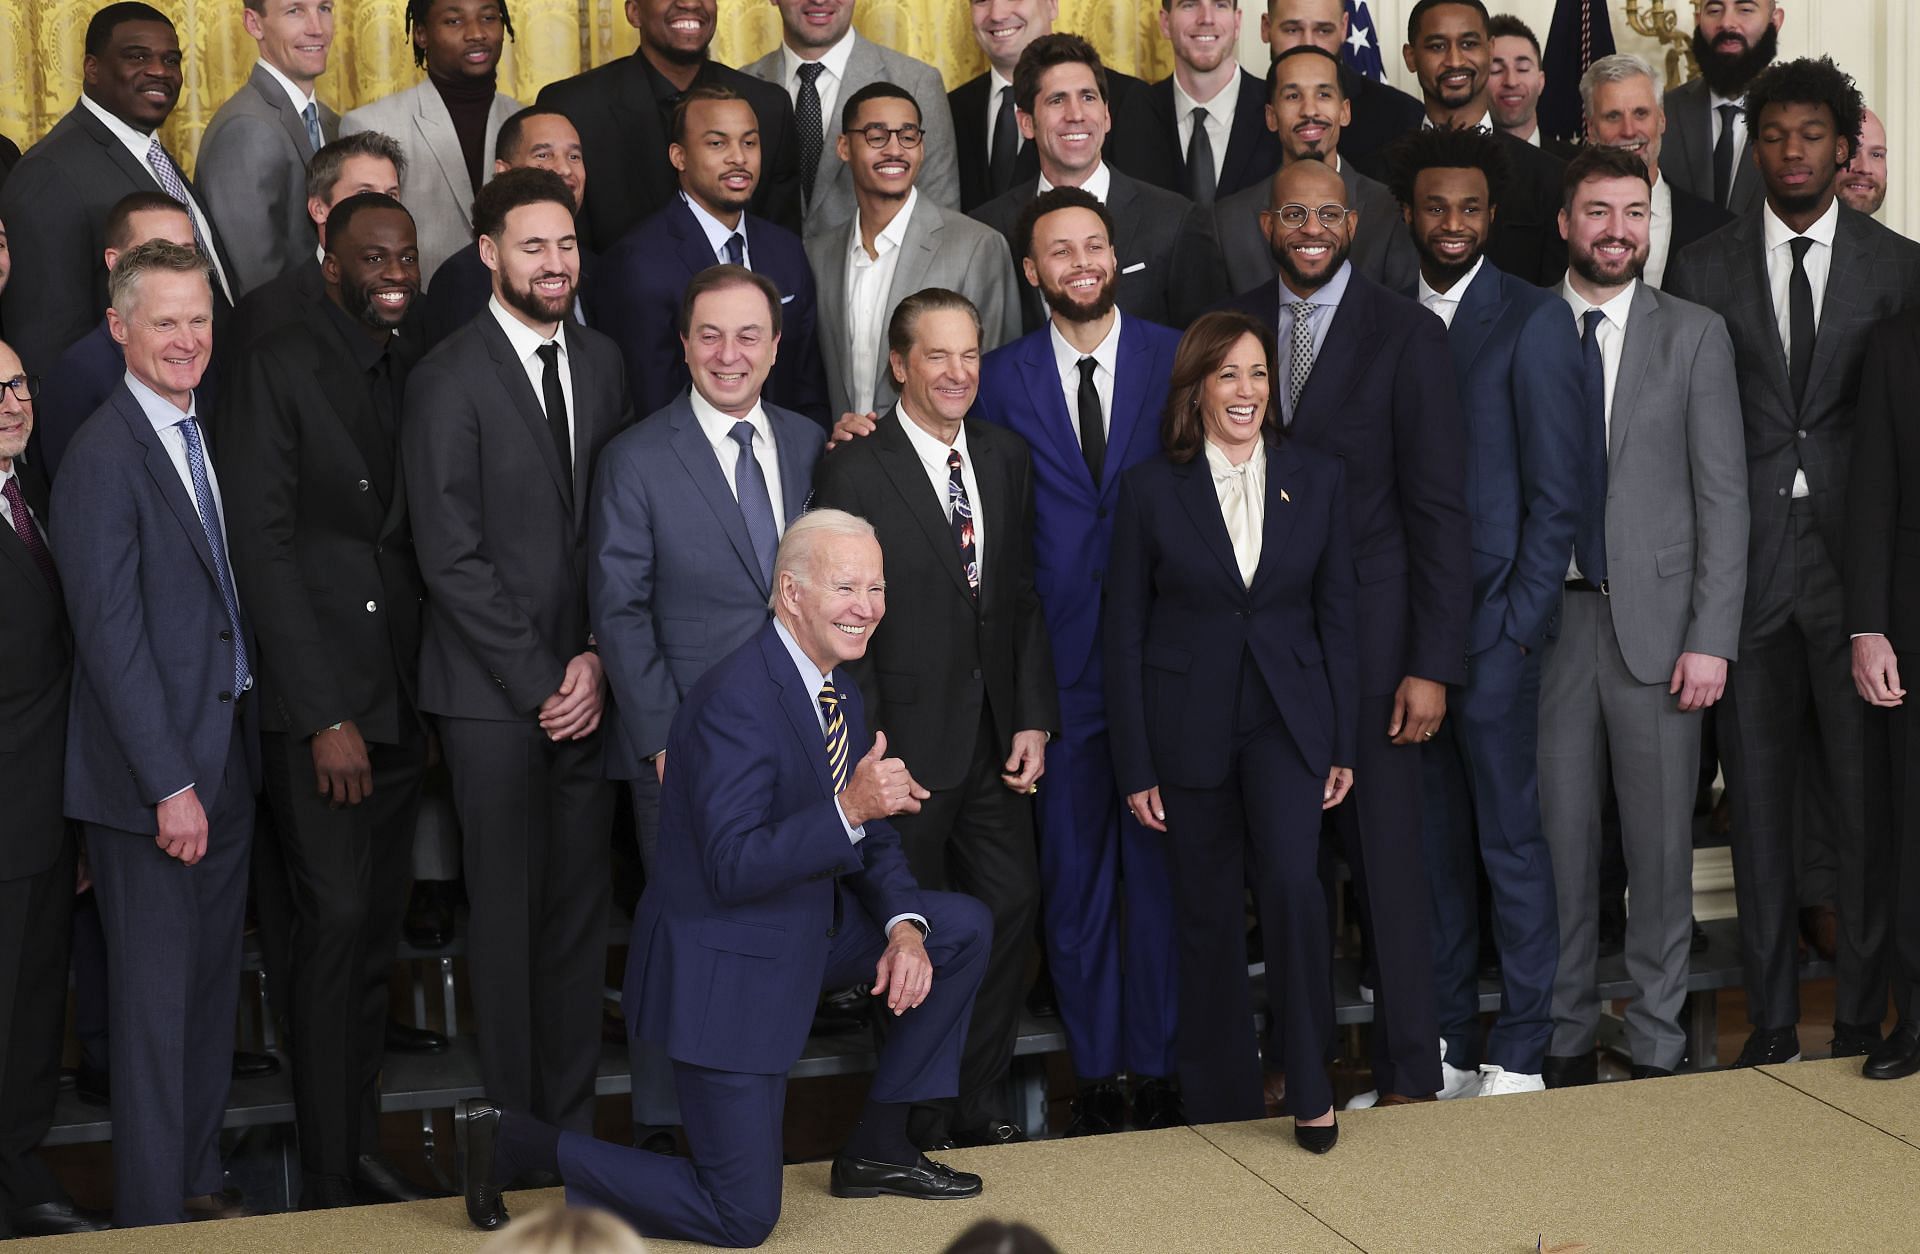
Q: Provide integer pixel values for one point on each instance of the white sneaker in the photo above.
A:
(1498, 1081)
(1366, 992)
(1364, 1101)
(1457, 1083)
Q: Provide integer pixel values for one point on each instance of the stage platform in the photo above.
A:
(1806, 1158)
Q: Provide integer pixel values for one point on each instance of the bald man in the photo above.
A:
(1863, 184)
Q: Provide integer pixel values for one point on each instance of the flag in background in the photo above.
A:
(1362, 50)
(1581, 34)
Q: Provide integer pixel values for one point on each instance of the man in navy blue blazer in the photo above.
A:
(716, 150)
(1516, 359)
(1367, 377)
(162, 758)
(776, 875)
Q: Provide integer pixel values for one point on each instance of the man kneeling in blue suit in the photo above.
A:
(775, 871)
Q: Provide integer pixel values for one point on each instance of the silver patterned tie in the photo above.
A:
(1300, 353)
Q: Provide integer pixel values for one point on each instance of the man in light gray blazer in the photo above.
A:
(253, 157)
(892, 242)
(1651, 615)
(830, 63)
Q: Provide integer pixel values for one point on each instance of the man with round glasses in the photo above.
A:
(892, 242)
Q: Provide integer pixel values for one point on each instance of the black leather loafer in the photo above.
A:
(1647, 1071)
(926, 1179)
(403, 1039)
(1568, 1071)
(55, 1219)
(1316, 1140)
(486, 1209)
(251, 1066)
(1898, 1056)
(998, 1132)
(1101, 1108)
(1854, 1040)
(1157, 1104)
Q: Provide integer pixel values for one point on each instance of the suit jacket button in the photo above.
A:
(1801, 434)
(225, 636)
(226, 696)
(976, 672)
(363, 485)
(372, 606)
(1781, 491)
(832, 932)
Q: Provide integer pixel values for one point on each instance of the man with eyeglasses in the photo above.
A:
(893, 243)
(1366, 374)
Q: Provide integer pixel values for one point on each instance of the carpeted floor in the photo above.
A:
(1806, 1159)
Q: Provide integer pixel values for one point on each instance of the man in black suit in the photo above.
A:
(37, 879)
(1800, 282)
(995, 155)
(502, 425)
(961, 678)
(56, 201)
(1449, 49)
(719, 163)
(1621, 98)
(624, 113)
(1201, 131)
(316, 502)
(1367, 377)
(1711, 155)
(1170, 268)
(1382, 112)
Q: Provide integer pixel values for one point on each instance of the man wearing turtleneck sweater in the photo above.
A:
(447, 125)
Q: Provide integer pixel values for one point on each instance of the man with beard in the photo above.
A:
(1517, 364)
(1200, 131)
(1801, 280)
(1364, 377)
(316, 502)
(1307, 108)
(1863, 184)
(1650, 616)
(624, 111)
(718, 154)
(502, 426)
(1733, 40)
(1450, 49)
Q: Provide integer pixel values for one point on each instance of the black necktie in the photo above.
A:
(1093, 427)
(806, 114)
(556, 399)
(1723, 156)
(1592, 554)
(1799, 319)
(1004, 146)
(1200, 176)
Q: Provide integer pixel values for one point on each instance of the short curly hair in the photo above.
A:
(1445, 148)
(418, 11)
(1811, 81)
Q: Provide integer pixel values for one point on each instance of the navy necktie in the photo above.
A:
(736, 249)
(1593, 382)
(216, 542)
(756, 503)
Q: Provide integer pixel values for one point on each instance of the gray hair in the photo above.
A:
(151, 256)
(1617, 68)
(800, 547)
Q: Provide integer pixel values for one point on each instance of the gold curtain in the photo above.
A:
(40, 49)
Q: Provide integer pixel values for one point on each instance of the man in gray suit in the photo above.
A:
(1710, 154)
(253, 157)
(1307, 107)
(1651, 615)
(891, 243)
(821, 62)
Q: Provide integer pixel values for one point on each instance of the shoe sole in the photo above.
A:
(864, 1190)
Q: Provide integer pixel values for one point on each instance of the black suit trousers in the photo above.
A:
(34, 914)
(347, 869)
(536, 819)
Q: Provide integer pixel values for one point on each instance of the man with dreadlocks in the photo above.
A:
(447, 125)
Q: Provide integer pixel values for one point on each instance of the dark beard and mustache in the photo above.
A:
(1448, 272)
(360, 306)
(1068, 307)
(530, 302)
(1587, 268)
(1284, 259)
(1728, 74)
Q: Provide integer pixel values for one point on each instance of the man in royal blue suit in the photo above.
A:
(776, 875)
(1368, 377)
(716, 149)
(1517, 361)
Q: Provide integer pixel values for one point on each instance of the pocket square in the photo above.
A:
(1135, 267)
(1285, 497)
(787, 299)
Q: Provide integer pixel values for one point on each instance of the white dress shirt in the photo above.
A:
(1612, 333)
(869, 279)
(834, 64)
(1219, 115)
(1819, 260)
(718, 428)
(1447, 303)
(301, 99)
(718, 232)
(995, 85)
(1242, 491)
(1097, 184)
(1714, 101)
(1484, 124)
(1533, 136)
(138, 145)
(527, 343)
(933, 459)
(1659, 231)
(1106, 357)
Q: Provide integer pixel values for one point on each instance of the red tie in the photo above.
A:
(29, 534)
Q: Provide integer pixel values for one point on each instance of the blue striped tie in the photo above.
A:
(217, 541)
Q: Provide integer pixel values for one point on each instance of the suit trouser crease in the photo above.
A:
(34, 929)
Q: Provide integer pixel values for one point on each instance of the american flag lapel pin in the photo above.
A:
(1285, 497)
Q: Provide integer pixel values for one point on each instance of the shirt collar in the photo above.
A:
(136, 142)
(1615, 310)
(892, 236)
(1715, 100)
(300, 99)
(814, 677)
(1223, 469)
(1779, 233)
(160, 411)
(1220, 108)
(834, 58)
(995, 83)
(930, 450)
(1458, 290)
(1106, 352)
(1484, 124)
(1331, 294)
(1097, 184)
(717, 232)
(718, 426)
(524, 339)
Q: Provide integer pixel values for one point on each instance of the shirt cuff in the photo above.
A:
(1860, 635)
(926, 929)
(170, 796)
(854, 834)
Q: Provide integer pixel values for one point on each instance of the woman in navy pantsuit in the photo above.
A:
(1231, 688)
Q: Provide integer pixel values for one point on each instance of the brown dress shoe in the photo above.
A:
(1401, 1099)
(228, 1203)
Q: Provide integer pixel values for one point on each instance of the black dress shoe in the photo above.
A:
(56, 1219)
(1898, 1056)
(926, 1179)
(402, 1039)
(1768, 1047)
(1316, 1140)
(1157, 1104)
(842, 1010)
(318, 1192)
(1101, 1108)
(1569, 1071)
(1854, 1040)
(376, 1180)
(486, 1209)
(92, 1085)
(252, 1066)
(994, 1132)
(1697, 942)
(429, 923)
(1646, 1071)
(659, 1141)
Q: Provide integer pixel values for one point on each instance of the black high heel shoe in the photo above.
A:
(1316, 1140)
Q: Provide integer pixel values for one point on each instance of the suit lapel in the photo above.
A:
(10, 541)
(1249, 130)
(799, 705)
(703, 469)
(512, 375)
(1749, 271)
(1480, 307)
(166, 478)
(827, 251)
(1696, 132)
(442, 142)
(588, 413)
(355, 417)
(695, 253)
(1277, 526)
(1128, 421)
(918, 251)
(291, 122)
(796, 486)
(1645, 326)
(1349, 343)
(1056, 421)
(1848, 269)
(992, 473)
(1193, 484)
(896, 455)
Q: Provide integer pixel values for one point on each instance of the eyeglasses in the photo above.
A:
(24, 386)
(1293, 217)
(877, 135)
